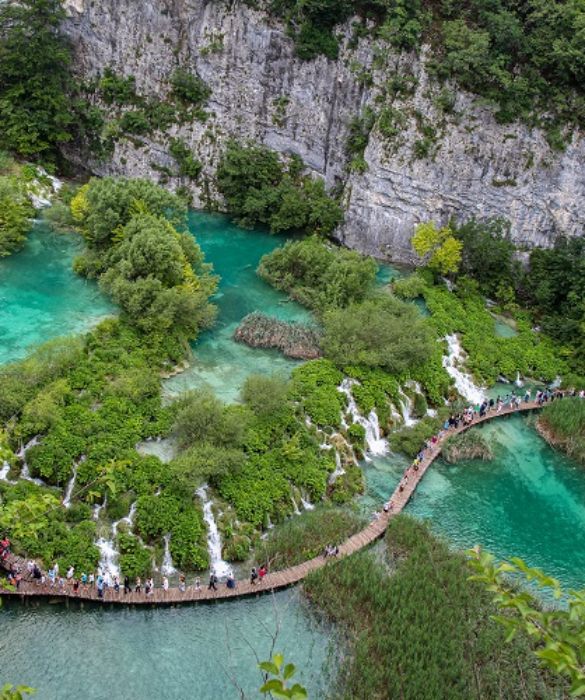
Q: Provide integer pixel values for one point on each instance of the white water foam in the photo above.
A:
(25, 471)
(109, 555)
(217, 563)
(463, 381)
(376, 445)
(406, 406)
(167, 568)
(71, 484)
(307, 505)
(339, 470)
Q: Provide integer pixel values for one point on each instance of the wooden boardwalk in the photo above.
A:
(272, 581)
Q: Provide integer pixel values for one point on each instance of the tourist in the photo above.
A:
(138, 586)
(70, 572)
(75, 585)
(127, 588)
(197, 583)
(231, 581)
(100, 586)
(262, 571)
(253, 576)
(147, 586)
(4, 548)
(212, 582)
(84, 580)
(51, 574)
(61, 582)
(182, 583)
(116, 584)
(165, 583)
(91, 580)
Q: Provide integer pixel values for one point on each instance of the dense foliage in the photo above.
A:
(425, 631)
(380, 332)
(527, 58)
(260, 187)
(35, 112)
(143, 257)
(319, 275)
(90, 401)
(15, 214)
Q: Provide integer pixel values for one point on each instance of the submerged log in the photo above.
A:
(295, 340)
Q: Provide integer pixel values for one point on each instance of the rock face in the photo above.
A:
(261, 91)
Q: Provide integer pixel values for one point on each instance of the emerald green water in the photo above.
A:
(198, 652)
(219, 361)
(41, 297)
(529, 501)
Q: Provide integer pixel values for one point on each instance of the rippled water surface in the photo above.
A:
(203, 652)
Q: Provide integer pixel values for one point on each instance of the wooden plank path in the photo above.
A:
(272, 581)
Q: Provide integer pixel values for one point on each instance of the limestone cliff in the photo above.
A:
(471, 166)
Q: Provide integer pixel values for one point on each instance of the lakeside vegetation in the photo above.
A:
(424, 630)
(562, 423)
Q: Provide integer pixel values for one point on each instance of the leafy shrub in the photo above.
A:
(318, 274)
(189, 87)
(135, 560)
(15, 213)
(189, 166)
(260, 188)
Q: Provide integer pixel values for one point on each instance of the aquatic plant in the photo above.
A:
(469, 445)
(562, 423)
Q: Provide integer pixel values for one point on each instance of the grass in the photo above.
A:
(564, 423)
(425, 632)
(304, 537)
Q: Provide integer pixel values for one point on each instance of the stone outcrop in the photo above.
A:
(261, 91)
(294, 340)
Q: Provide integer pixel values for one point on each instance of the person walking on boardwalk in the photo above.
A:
(138, 588)
(212, 582)
(253, 576)
(182, 583)
(127, 588)
(165, 583)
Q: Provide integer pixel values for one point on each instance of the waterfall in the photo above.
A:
(519, 383)
(406, 405)
(295, 506)
(307, 505)
(25, 471)
(556, 383)
(97, 508)
(217, 564)
(167, 568)
(71, 484)
(4, 471)
(376, 444)
(108, 562)
(339, 470)
(463, 382)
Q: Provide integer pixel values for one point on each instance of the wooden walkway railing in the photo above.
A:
(278, 579)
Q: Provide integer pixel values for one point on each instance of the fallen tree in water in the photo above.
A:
(293, 339)
(468, 445)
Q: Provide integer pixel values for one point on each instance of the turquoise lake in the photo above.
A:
(528, 502)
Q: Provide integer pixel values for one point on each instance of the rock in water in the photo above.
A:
(293, 339)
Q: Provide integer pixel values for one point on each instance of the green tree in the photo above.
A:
(559, 632)
(380, 332)
(15, 214)
(35, 110)
(276, 675)
(438, 247)
(264, 395)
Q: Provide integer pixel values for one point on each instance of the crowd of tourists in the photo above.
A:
(73, 584)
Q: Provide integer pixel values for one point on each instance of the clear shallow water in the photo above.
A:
(529, 501)
(40, 295)
(220, 362)
(186, 652)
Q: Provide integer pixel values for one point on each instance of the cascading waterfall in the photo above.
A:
(108, 553)
(307, 505)
(376, 444)
(25, 471)
(295, 506)
(463, 382)
(71, 484)
(98, 507)
(217, 563)
(339, 470)
(519, 383)
(406, 406)
(167, 567)
(4, 471)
